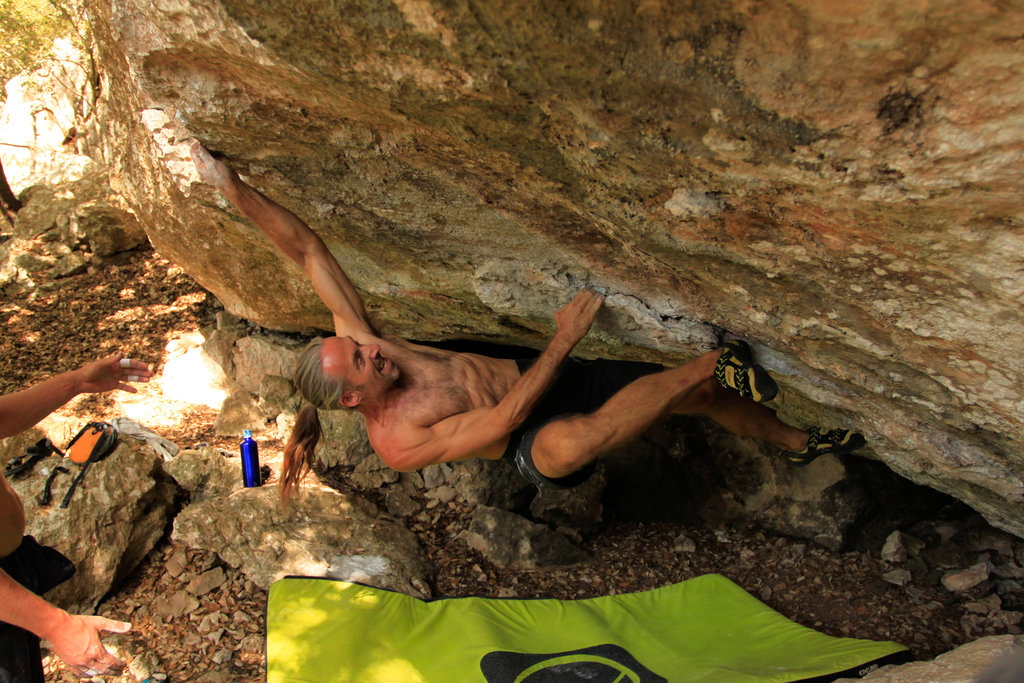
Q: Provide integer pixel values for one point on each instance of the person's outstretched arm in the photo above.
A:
(73, 638)
(22, 409)
(294, 239)
(460, 436)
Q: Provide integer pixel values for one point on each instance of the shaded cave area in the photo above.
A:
(675, 474)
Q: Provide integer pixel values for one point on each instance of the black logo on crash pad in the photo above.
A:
(598, 664)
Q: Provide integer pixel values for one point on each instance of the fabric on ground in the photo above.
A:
(161, 446)
(703, 629)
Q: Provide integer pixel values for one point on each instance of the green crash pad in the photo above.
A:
(703, 629)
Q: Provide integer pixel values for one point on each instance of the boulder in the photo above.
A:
(71, 264)
(278, 395)
(114, 518)
(193, 375)
(993, 659)
(256, 356)
(344, 443)
(508, 540)
(399, 503)
(838, 186)
(206, 472)
(894, 550)
(80, 210)
(219, 342)
(323, 533)
(107, 226)
(494, 483)
(818, 502)
(372, 474)
(579, 508)
(45, 208)
(966, 579)
(240, 411)
(897, 577)
(50, 132)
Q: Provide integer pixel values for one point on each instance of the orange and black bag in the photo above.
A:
(93, 442)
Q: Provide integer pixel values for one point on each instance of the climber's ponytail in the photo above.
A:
(298, 454)
(323, 393)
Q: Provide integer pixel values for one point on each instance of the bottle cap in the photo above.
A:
(247, 434)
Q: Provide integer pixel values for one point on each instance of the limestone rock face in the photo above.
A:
(839, 184)
(205, 473)
(323, 534)
(49, 132)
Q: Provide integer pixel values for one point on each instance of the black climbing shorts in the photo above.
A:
(582, 386)
(38, 568)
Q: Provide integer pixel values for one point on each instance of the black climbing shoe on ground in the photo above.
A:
(736, 370)
(834, 441)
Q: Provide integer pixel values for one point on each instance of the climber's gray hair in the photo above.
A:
(321, 391)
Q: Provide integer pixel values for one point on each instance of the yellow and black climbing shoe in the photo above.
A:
(736, 370)
(834, 441)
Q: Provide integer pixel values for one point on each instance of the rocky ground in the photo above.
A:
(195, 619)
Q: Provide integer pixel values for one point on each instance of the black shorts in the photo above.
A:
(582, 386)
(37, 568)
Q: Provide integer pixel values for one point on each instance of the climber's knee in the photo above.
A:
(563, 446)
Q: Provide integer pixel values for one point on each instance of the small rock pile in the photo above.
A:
(982, 570)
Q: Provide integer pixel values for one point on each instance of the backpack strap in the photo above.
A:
(33, 454)
(47, 495)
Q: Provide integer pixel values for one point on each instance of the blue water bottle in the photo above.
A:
(250, 461)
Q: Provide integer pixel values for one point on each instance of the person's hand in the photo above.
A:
(211, 170)
(112, 372)
(574, 320)
(78, 645)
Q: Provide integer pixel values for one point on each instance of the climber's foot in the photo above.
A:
(736, 370)
(834, 441)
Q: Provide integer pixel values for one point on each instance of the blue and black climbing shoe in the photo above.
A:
(833, 441)
(736, 370)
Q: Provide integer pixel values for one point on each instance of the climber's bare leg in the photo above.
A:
(741, 416)
(563, 446)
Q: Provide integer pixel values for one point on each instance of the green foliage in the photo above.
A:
(28, 29)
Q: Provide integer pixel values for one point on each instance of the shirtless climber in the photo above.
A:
(552, 415)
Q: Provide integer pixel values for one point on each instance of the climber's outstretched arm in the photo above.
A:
(294, 239)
